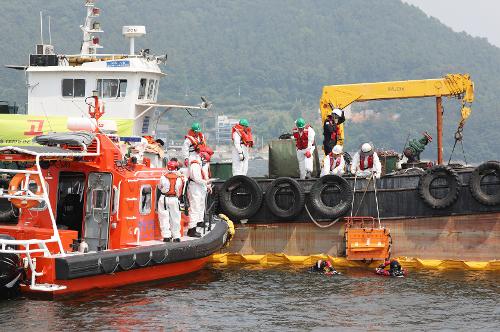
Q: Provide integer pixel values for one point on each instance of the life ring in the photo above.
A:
(482, 196)
(452, 182)
(240, 197)
(272, 200)
(318, 199)
(17, 184)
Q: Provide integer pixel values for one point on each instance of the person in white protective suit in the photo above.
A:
(198, 188)
(193, 142)
(241, 135)
(304, 142)
(366, 162)
(334, 162)
(169, 214)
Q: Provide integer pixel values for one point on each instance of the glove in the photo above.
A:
(308, 154)
(242, 157)
(186, 162)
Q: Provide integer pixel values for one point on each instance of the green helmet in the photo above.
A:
(244, 122)
(300, 123)
(196, 127)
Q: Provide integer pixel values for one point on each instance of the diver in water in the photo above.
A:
(325, 267)
(395, 269)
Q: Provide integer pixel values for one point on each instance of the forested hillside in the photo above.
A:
(268, 60)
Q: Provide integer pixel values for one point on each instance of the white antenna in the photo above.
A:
(41, 27)
(50, 34)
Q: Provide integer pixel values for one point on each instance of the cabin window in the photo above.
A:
(151, 89)
(142, 88)
(73, 88)
(146, 199)
(156, 89)
(99, 199)
(111, 88)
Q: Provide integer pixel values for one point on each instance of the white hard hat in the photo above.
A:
(337, 149)
(366, 147)
(337, 112)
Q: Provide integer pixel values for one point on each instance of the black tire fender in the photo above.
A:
(316, 201)
(452, 180)
(231, 187)
(298, 197)
(486, 168)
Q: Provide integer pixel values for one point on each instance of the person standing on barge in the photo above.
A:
(304, 142)
(193, 142)
(241, 135)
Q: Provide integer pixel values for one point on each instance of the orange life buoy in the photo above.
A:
(17, 184)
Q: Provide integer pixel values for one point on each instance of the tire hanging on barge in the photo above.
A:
(435, 173)
(240, 197)
(293, 206)
(318, 200)
(476, 177)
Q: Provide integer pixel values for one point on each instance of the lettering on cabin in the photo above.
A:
(36, 127)
(118, 63)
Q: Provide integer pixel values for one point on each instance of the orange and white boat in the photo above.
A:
(87, 218)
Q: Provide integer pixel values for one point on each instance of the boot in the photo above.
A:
(167, 239)
(308, 175)
(193, 233)
(177, 240)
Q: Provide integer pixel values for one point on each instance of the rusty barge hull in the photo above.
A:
(466, 230)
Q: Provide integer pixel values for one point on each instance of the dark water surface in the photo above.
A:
(247, 298)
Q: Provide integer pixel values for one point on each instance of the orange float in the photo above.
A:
(17, 185)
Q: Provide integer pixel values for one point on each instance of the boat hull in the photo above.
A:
(474, 237)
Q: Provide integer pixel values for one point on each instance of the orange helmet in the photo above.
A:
(172, 165)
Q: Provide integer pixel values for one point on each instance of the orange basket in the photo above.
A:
(364, 241)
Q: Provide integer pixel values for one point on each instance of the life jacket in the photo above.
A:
(301, 141)
(362, 165)
(335, 134)
(245, 134)
(334, 163)
(172, 179)
(204, 176)
(197, 140)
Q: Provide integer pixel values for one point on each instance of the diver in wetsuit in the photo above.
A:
(395, 269)
(325, 267)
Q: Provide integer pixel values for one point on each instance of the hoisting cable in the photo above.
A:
(364, 193)
(458, 138)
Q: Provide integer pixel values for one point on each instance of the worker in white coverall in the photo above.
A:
(334, 162)
(241, 135)
(169, 214)
(193, 141)
(366, 162)
(198, 188)
(304, 142)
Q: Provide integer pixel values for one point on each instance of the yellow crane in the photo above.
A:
(453, 85)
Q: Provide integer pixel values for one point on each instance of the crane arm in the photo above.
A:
(452, 85)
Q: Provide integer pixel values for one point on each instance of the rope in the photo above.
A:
(376, 199)
(353, 193)
(364, 193)
(318, 224)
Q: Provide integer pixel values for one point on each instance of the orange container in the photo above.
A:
(366, 243)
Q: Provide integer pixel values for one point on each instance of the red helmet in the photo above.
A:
(205, 156)
(172, 165)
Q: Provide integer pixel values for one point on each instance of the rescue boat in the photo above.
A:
(87, 218)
